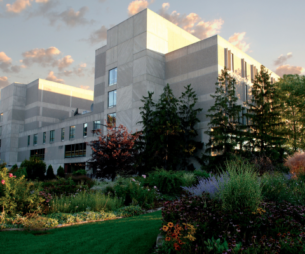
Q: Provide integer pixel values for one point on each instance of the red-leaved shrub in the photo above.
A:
(296, 164)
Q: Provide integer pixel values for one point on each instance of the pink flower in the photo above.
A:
(133, 179)
(144, 176)
(155, 187)
(3, 182)
(15, 176)
(10, 175)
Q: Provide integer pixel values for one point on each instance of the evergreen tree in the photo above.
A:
(264, 115)
(225, 131)
(50, 172)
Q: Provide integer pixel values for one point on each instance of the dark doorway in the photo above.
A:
(72, 167)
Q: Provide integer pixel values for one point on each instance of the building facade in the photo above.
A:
(143, 53)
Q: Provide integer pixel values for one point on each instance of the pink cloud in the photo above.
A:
(137, 6)
(78, 71)
(288, 69)
(3, 82)
(98, 35)
(18, 6)
(282, 59)
(41, 56)
(52, 77)
(64, 62)
(6, 64)
(192, 22)
(238, 40)
(84, 87)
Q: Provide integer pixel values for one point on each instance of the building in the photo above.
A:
(143, 53)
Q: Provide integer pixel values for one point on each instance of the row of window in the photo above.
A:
(111, 118)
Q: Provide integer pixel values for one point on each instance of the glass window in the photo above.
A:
(96, 125)
(0, 130)
(1, 117)
(38, 153)
(62, 134)
(35, 139)
(0, 144)
(29, 140)
(44, 137)
(72, 132)
(113, 77)
(52, 135)
(85, 129)
(111, 118)
(75, 150)
(111, 99)
(232, 62)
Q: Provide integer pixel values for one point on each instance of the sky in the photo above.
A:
(56, 40)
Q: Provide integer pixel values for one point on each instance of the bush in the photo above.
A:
(240, 188)
(188, 178)
(60, 171)
(168, 182)
(13, 169)
(80, 172)
(50, 172)
(296, 164)
(21, 172)
(17, 195)
(129, 211)
(35, 168)
(83, 180)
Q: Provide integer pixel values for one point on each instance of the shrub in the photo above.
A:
(201, 174)
(13, 169)
(129, 211)
(168, 182)
(17, 195)
(35, 168)
(21, 172)
(60, 171)
(263, 164)
(83, 180)
(80, 172)
(50, 172)
(240, 188)
(188, 178)
(296, 163)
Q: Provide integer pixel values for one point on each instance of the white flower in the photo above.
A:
(144, 176)
(148, 189)
(133, 179)
(155, 187)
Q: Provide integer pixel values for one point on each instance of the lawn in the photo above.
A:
(135, 235)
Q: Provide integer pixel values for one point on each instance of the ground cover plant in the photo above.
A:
(132, 235)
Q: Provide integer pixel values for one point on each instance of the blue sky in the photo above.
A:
(56, 40)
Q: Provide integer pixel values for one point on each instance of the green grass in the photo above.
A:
(134, 235)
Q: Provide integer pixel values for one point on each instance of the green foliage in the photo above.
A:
(217, 247)
(132, 192)
(168, 131)
(168, 182)
(240, 188)
(21, 172)
(129, 211)
(188, 178)
(80, 172)
(17, 195)
(201, 174)
(35, 168)
(50, 172)
(83, 180)
(84, 201)
(60, 171)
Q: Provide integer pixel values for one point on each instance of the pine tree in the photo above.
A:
(264, 116)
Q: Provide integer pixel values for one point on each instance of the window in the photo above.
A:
(52, 135)
(96, 125)
(246, 92)
(75, 150)
(1, 117)
(0, 130)
(113, 77)
(85, 129)
(112, 99)
(35, 139)
(72, 132)
(29, 140)
(246, 74)
(111, 118)
(0, 144)
(38, 153)
(44, 137)
(232, 62)
(62, 134)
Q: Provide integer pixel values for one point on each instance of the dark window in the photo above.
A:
(72, 132)
(35, 139)
(85, 129)
(96, 125)
(0, 130)
(232, 62)
(29, 140)
(112, 99)
(44, 137)
(1, 117)
(62, 134)
(0, 144)
(246, 74)
(38, 153)
(113, 77)
(111, 118)
(52, 135)
(75, 150)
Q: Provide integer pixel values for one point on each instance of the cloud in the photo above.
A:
(78, 71)
(192, 22)
(98, 35)
(281, 59)
(84, 87)
(42, 1)
(52, 77)
(238, 40)
(64, 62)
(44, 57)
(3, 82)
(137, 6)
(70, 17)
(288, 69)
(18, 6)
(6, 64)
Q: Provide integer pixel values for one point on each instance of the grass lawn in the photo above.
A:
(135, 235)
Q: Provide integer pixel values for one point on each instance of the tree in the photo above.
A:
(168, 130)
(264, 115)
(60, 171)
(50, 172)
(114, 152)
(35, 168)
(291, 92)
(225, 132)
